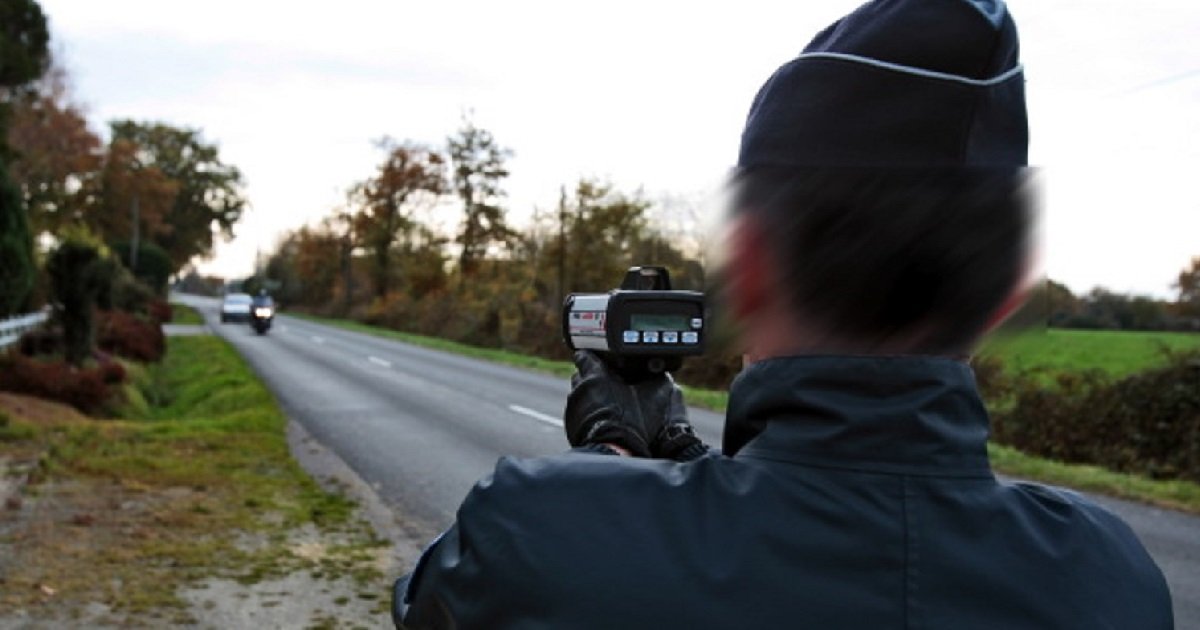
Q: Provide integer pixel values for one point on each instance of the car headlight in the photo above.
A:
(262, 312)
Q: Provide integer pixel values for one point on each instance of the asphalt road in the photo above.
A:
(421, 426)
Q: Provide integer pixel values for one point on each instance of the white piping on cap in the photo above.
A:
(921, 72)
(992, 10)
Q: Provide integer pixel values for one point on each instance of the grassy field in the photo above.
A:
(1115, 352)
(195, 482)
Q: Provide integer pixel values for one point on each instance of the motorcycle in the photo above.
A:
(260, 318)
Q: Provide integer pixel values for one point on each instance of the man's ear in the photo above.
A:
(748, 267)
(1015, 300)
(1019, 294)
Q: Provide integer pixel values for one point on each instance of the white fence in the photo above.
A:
(12, 328)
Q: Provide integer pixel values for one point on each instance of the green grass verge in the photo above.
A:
(1114, 352)
(197, 481)
(1130, 351)
(1179, 495)
(184, 314)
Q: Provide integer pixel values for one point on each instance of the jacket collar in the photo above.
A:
(908, 415)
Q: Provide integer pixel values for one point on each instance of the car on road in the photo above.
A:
(236, 308)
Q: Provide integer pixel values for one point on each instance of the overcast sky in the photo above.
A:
(649, 94)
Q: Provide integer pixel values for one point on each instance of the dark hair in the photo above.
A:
(877, 254)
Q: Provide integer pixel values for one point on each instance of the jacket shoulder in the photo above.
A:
(1104, 550)
(567, 480)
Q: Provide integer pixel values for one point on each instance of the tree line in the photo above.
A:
(95, 228)
(150, 194)
(383, 257)
(1103, 309)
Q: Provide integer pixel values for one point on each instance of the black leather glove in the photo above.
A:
(646, 417)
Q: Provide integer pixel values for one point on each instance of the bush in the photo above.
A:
(153, 264)
(79, 274)
(160, 311)
(993, 381)
(126, 293)
(130, 336)
(41, 341)
(86, 389)
(1148, 423)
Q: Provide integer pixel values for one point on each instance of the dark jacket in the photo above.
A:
(865, 502)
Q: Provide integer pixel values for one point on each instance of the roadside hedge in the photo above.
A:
(130, 336)
(1147, 423)
(87, 389)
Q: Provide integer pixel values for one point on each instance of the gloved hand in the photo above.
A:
(646, 418)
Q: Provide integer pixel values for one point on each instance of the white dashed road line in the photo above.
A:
(536, 415)
(380, 362)
(317, 339)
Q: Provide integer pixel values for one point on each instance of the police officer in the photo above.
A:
(881, 226)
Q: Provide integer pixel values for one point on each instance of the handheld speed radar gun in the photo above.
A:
(641, 328)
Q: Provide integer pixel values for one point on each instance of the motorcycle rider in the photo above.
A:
(262, 311)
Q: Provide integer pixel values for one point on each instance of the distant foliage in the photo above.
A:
(410, 177)
(1101, 309)
(203, 191)
(477, 175)
(1188, 285)
(1148, 423)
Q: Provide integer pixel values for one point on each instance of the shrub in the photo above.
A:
(41, 341)
(1148, 423)
(130, 336)
(160, 311)
(112, 372)
(86, 389)
(993, 381)
(79, 273)
(153, 267)
(126, 293)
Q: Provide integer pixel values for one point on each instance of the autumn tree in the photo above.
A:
(56, 155)
(23, 57)
(208, 191)
(134, 200)
(322, 259)
(478, 171)
(410, 176)
(24, 51)
(1188, 286)
(596, 233)
(281, 269)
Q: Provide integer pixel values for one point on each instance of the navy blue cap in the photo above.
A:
(897, 83)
